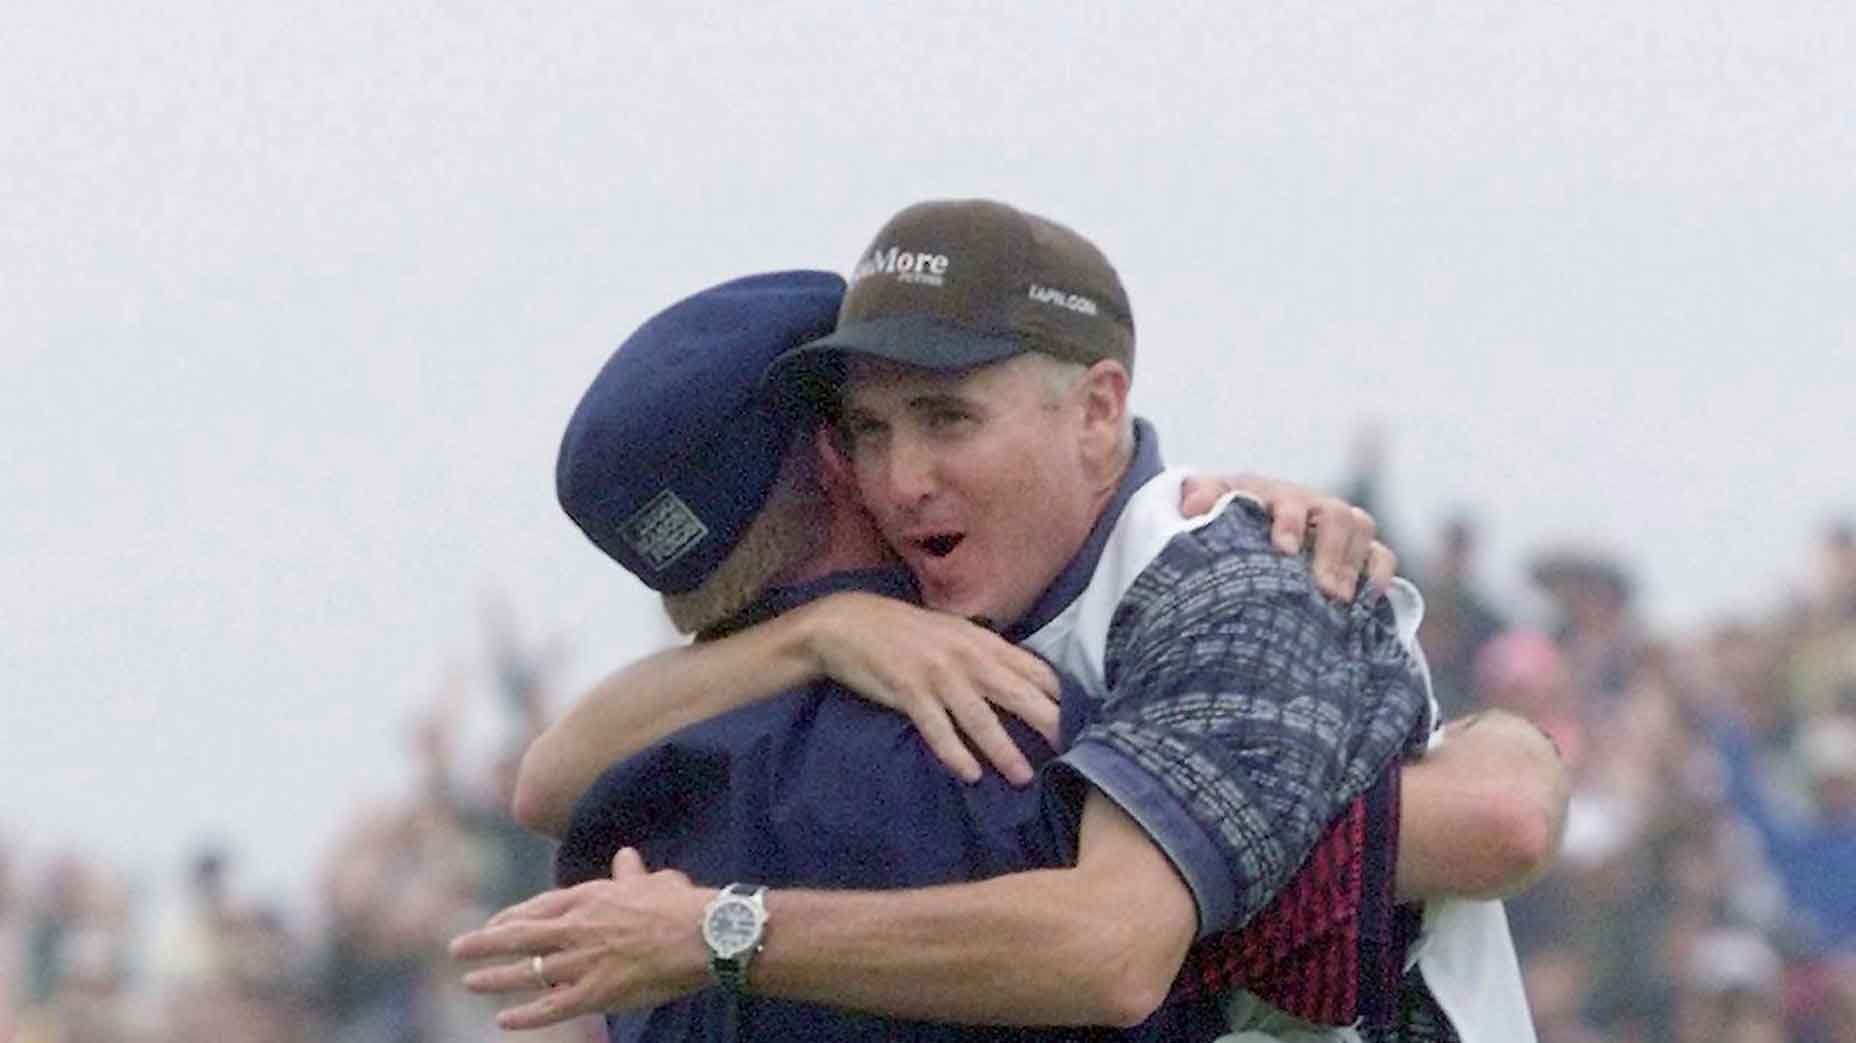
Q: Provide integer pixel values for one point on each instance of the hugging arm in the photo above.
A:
(641, 704)
(996, 950)
(1482, 813)
(946, 675)
(1095, 944)
(1124, 915)
(1099, 943)
(943, 672)
(1075, 946)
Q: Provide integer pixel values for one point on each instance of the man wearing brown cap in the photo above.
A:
(983, 395)
(984, 358)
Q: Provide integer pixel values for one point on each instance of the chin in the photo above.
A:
(966, 607)
(944, 603)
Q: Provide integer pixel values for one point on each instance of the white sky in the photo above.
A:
(296, 298)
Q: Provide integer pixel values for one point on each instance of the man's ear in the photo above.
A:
(1104, 391)
(834, 467)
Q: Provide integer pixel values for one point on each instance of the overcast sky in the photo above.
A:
(295, 300)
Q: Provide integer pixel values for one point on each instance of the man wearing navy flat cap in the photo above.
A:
(702, 446)
(664, 522)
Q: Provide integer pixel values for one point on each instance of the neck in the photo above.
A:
(850, 542)
(1111, 483)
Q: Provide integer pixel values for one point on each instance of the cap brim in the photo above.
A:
(812, 372)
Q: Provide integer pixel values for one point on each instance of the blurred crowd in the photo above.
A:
(1706, 891)
(86, 957)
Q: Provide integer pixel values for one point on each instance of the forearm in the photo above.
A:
(650, 700)
(999, 951)
(1482, 814)
(1098, 944)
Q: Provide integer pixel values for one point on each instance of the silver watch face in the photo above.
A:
(732, 926)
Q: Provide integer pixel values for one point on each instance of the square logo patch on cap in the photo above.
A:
(663, 530)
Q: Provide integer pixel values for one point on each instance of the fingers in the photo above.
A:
(1031, 669)
(1290, 520)
(1360, 545)
(515, 938)
(504, 977)
(562, 969)
(1343, 534)
(943, 739)
(1044, 716)
(1198, 495)
(1343, 537)
(1292, 508)
(1007, 669)
(550, 1008)
(1011, 679)
(627, 863)
(980, 724)
(1330, 546)
(955, 710)
(947, 677)
(1381, 567)
(541, 907)
(1028, 690)
(1034, 704)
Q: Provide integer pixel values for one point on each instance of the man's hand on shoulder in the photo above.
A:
(947, 675)
(1342, 534)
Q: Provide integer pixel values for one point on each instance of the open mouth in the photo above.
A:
(941, 544)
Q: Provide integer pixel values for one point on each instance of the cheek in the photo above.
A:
(1050, 485)
(869, 485)
(1028, 509)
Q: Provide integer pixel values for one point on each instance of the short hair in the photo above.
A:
(789, 529)
(1060, 376)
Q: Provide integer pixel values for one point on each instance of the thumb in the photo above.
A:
(627, 864)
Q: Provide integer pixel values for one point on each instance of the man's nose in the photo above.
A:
(910, 473)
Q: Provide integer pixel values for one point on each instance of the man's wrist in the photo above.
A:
(683, 964)
(804, 640)
(734, 930)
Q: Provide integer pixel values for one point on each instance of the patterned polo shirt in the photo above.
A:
(1240, 711)
(1242, 719)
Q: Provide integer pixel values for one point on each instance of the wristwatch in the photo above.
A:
(734, 927)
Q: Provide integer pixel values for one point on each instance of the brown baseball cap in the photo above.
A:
(952, 284)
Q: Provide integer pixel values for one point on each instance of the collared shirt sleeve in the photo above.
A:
(1244, 713)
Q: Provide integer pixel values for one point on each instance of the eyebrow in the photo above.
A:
(942, 399)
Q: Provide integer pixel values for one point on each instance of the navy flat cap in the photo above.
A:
(673, 449)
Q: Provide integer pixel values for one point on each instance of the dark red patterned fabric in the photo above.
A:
(1324, 948)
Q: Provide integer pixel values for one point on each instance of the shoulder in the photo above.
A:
(1224, 589)
(1220, 566)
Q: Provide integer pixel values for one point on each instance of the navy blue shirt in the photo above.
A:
(818, 788)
